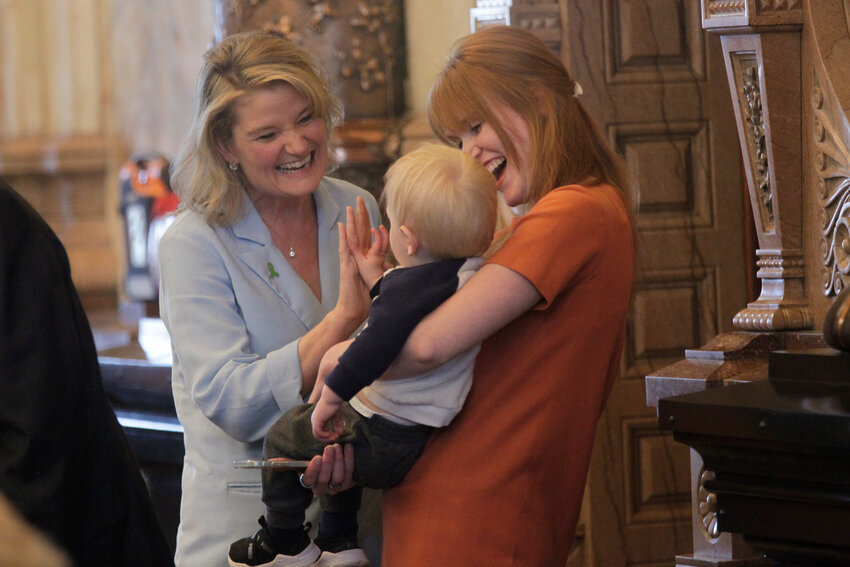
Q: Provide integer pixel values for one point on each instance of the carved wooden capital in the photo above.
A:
(728, 14)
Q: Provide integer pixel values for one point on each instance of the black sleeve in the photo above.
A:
(407, 296)
(376, 289)
(65, 463)
(44, 362)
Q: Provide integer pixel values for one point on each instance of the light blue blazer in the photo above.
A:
(236, 310)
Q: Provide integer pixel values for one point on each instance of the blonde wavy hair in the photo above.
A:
(513, 67)
(240, 63)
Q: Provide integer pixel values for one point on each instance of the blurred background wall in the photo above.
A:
(86, 84)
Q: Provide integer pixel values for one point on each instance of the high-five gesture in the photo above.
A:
(368, 245)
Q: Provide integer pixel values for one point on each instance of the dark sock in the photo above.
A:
(288, 541)
(334, 525)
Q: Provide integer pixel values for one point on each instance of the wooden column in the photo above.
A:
(763, 66)
(761, 41)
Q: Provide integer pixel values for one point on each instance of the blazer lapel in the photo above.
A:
(328, 213)
(262, 258)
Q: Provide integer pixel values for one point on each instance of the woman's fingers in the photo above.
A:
(347, 268)
(332, 472)
(348, 461)
(363, 223)
(353, 297)
(332, 466)
(358, 226)
(333, 456)
(351, 228)
(343, 240)
(311, 474)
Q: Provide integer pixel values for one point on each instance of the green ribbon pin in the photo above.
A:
(272, 273)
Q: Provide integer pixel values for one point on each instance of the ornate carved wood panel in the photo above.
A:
(826, 143)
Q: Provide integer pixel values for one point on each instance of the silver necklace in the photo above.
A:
(297, 231)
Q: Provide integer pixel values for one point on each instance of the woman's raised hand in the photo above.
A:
(358, 226)
(356, 246)
(353, 302)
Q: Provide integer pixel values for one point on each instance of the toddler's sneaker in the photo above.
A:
(340, 552)
(257, 551)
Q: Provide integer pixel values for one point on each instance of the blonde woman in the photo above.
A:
(254, 288)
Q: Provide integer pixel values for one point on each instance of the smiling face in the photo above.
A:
(278, 142)
(481, 141)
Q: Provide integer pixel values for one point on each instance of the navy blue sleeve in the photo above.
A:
(376, 289)
(407, 296)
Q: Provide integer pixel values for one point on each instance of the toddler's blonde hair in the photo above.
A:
(446, 197)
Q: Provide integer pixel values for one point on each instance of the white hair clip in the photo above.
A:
(577, 90)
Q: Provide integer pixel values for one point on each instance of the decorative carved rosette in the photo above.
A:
(707, 504)
(832, 167)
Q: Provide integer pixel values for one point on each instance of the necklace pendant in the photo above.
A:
(291, 252)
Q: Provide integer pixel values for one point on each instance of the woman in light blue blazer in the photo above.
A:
(252, 291)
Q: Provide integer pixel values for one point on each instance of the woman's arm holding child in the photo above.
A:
(492, 298)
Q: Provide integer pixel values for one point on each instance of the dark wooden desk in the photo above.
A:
(140, 392)
(779, 453)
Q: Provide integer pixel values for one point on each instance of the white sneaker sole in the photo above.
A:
(306, 558)
(347, 558)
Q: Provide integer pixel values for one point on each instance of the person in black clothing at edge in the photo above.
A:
(65, 464)
(443, 210)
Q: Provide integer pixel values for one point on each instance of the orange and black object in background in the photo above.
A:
(146, 200)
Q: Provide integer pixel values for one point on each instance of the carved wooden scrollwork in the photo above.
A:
(725, 7)
(752, 115)
(832, 167)
(360, 44)
(778, 5)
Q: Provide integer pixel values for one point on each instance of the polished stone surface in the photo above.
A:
(779, 452)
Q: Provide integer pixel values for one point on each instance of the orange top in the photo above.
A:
(502, 485)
